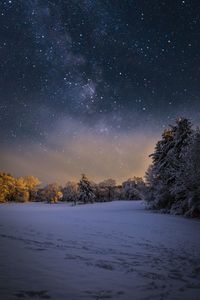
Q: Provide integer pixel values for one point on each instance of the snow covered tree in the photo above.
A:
(149, 191)
(132, 188)
(52, 193)
(100, 192)
(158, 176)
(186, 188)
(86, 190)
(166, 163)
(70, 192)
(107, 188)
(182, 131)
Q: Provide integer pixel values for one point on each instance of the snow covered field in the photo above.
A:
(112, 250)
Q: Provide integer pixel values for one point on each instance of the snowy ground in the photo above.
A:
(112, 250)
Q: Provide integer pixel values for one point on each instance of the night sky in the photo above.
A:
(89, 85)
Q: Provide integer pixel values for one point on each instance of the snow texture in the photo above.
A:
(115, 250)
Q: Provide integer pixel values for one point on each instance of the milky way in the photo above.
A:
(88, 86)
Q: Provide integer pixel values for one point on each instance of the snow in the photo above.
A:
(115, 250)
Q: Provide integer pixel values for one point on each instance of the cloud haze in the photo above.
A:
(73, 148)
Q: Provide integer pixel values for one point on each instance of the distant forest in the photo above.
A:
(171, 183)
(25, 189)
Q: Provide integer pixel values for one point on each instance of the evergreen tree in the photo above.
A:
(132, 188)
(166, 164)
(158, 176)
(86, 191)
(182, 131)
(186, 188)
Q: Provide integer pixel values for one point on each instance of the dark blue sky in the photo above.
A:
(100, 69)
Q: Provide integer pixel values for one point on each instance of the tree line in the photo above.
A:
(24, 189)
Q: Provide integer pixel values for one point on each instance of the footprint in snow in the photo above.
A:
(33, 294)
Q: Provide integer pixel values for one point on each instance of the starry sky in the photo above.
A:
(89, 85)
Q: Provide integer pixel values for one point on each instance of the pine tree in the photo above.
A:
(158, 175)
(86, 191)
(182, 132)
(186, 188)
(167, 162)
